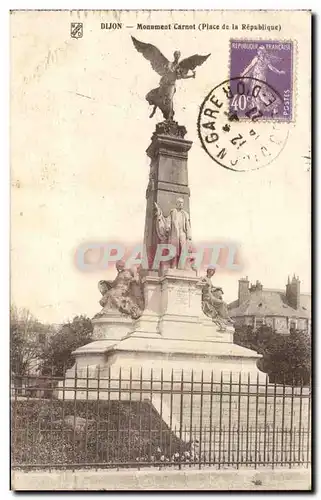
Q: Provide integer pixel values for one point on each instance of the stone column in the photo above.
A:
(168, 178)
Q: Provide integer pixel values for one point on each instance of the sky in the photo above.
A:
(79, 171)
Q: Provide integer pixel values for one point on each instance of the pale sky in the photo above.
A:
(79, 131)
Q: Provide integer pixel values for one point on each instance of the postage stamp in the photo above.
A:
(269, 61)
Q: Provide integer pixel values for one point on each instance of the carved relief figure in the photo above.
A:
(213, 304)
(174, 229)
(124, 294)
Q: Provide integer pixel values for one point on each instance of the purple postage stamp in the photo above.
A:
(267, 69)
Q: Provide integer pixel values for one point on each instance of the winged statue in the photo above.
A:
(162, 96)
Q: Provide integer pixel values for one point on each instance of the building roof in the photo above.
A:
(271, 303)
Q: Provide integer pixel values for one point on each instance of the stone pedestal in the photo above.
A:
(214, 334)
(168, 177)
(147, 324)
(112, 326)
(179, 304)
(172, 333)
(109, 329)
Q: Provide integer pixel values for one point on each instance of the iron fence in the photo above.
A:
(106, 418)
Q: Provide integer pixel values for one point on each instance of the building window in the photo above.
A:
(259, 322)
(293, 324)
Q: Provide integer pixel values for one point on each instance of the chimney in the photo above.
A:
(244, 292)
(258, 285)
(293, 292)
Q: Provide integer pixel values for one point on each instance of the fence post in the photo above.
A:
(98, 419)
(273, 435)
(220, 425)
(150, 417)
(191, 413)
(118, 419)
(282, 423)
(256, 454)
(211, 420)
(181, 420)
(300, 420)
(238, 423)
(140, 415)
(229, 420)
(308, 431)
(265, 417)
(75, 411)
(87, 397)
(130, 412)
(171, 415)
(201, 420)
(247, 419)
(161, 410)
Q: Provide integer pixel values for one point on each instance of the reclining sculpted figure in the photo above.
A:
(124, 294)
(213, 304)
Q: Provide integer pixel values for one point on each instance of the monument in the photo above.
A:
(166, 316)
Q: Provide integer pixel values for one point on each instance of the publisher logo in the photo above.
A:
(76, 30)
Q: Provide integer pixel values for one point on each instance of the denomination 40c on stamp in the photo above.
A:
(242, 139)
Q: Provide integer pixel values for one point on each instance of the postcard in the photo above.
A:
(161, 322)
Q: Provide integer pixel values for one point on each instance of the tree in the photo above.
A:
(299, 355)
(57, 356)
(245, 336)
(25, 348)
(286, 358)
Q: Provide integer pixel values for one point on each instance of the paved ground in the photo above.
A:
(147, 479)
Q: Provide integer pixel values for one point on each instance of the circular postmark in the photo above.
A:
(239, 124)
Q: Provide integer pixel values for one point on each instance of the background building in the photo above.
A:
(282, 310)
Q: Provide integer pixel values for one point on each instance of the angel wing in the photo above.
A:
(104, 286)
(191, 62)
(158, 61)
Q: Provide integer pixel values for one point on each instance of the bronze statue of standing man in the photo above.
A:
(174, 229)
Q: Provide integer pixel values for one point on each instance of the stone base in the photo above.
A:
(158, 353)
(173, 354)
(172, 334)
(152, 369)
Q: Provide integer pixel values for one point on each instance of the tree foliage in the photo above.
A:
(286, 358)
(57, 356)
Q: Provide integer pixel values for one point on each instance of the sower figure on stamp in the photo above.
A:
(174, 229)
(258, 69)
(213, 304)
